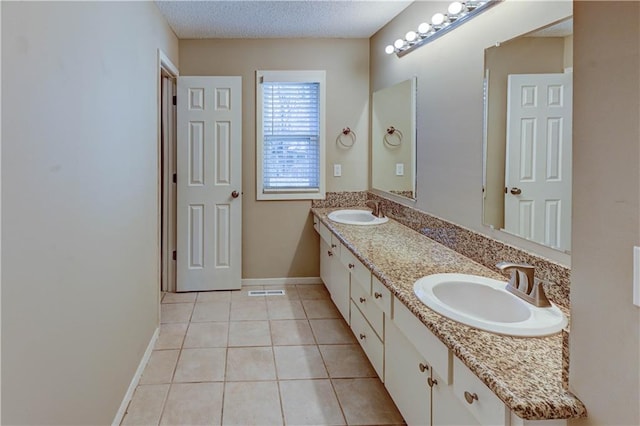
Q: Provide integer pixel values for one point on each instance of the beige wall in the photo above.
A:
(450, 116)
(605, 330)
(79, 205)
(278, 237)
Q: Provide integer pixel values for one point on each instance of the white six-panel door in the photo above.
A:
(538, 166)
(209, 210)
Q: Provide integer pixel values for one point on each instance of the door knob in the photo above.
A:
(235, 194)
(516, 191)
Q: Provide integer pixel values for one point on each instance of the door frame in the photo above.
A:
(165, 68)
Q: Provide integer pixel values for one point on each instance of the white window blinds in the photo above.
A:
(291, 130)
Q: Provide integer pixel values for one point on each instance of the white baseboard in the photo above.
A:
(281, 281)
(136, 379)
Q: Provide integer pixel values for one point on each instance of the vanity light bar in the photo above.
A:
(441, 23)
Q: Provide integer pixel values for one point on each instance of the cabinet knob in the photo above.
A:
(362, 300)
(333, 245)
(470, 397)
(351, 266)
(329, 252)
(362, 336)
(431, 382)
(423, 367)
(377, 295)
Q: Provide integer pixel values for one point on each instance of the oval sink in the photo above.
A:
(484, 303)
(356, 217)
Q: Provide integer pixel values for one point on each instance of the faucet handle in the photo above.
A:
(376, 208)
(522, 283)
(522, 275)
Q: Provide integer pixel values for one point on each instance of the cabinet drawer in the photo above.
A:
(370, 310)
(381, 296)
(361, 273)
(371, 344)
(485, 405)
(429, 346)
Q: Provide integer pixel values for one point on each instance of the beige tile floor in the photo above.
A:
(233, 359)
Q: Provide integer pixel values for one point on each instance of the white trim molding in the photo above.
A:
(281, 281)
(135, 380)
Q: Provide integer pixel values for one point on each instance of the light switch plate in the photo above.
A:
(399, 169)
(337, 170)
(636, 276)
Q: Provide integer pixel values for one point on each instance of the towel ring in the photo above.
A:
(392, 131)
(346, 132)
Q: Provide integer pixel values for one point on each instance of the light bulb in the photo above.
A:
(389, 50)
(456, 8)
(399, 43)
(438, 19)
(411, 36)
(424, 28)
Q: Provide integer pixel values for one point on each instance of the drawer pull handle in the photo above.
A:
(377, 295)
(329, 252)
(470, 397)
(362, 336)
(351, 266)
(423, 367)
(333, 246)
(362, 300)
(431, 382)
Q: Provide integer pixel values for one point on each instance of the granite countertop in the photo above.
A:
(525, 373)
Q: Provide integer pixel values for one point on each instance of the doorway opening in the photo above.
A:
(167, 173)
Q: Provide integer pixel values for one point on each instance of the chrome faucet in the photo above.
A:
(523, 285)
(376, 208)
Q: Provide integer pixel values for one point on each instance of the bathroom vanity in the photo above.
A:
(436, 370)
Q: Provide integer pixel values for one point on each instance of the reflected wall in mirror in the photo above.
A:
(527, 141)
(393, 139)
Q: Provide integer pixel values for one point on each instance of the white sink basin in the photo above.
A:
(484, 303)
(356, 217)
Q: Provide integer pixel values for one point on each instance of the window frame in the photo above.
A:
(290, 76)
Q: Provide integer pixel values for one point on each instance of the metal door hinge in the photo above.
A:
(175, 255)
(175, 178)
(175, 100)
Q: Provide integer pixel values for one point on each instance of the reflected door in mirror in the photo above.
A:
(538, 162)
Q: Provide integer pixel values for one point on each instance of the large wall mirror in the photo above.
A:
(393, 139)
(527, 141)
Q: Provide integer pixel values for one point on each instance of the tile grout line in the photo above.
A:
(226, 360)
(275, 368)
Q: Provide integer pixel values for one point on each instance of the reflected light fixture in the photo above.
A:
(457, 13)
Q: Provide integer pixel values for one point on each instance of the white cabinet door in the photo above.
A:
(447, 408)
(368, 339)
(326, 258)
(406, 373)
(340, 287)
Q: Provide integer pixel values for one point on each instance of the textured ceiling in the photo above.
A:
(279, 19)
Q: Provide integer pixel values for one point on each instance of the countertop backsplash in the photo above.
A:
(482, 249)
